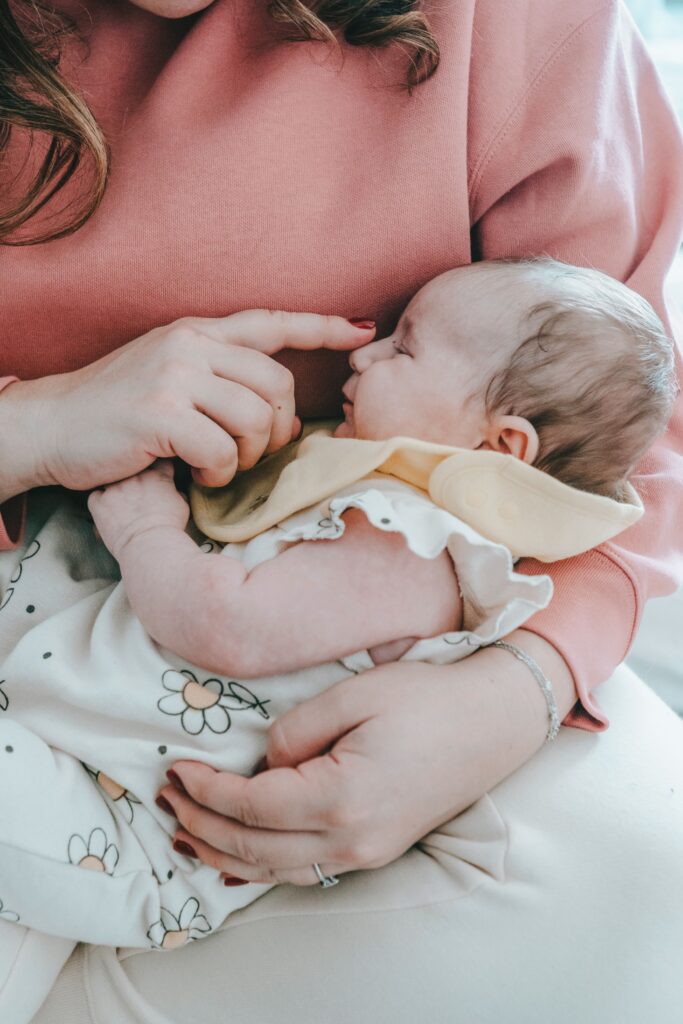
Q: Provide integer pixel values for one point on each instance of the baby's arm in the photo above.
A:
(315, 602)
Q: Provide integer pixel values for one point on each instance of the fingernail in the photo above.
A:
(175, 780)
(361, 324)
(233, 880)
(162, 802)
(180, 846)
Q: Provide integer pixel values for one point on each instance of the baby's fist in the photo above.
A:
(147, 501)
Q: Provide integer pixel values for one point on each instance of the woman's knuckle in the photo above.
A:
(357, 850)
(346, 812)
(283, 382)
(182, 331)
(337, 816)
(261, 417)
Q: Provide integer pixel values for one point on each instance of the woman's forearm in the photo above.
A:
(23, 439)
(506, 700)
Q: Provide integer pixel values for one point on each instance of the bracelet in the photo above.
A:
(543, 682)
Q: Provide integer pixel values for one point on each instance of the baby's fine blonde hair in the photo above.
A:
(594, 375)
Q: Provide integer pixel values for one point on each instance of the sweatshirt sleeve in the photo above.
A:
(13, 511)
(575, 152)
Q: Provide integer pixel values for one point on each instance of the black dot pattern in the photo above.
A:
(10, 750)
(169, 875)
(30, 608)
(162, 749)
(48, 654)
(385, 521)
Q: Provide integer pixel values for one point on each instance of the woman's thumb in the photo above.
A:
(309, 730)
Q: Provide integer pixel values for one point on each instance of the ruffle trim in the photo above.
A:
(496, 599)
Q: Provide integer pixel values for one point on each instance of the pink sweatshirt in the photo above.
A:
(248, 173)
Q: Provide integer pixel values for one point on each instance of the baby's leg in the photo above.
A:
(72, 865)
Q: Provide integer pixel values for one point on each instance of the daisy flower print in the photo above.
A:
(171, 932)
(207, 704)
(95, 854)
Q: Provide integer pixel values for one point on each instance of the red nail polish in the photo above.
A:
(162, 802)
(180, 846)
(361, 323)
(232, 880)
(175, 780)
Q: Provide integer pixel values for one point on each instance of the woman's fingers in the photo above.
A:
(247, 871)
(271, 330)
(308, 730)
(285, 799)
(255, 846)
(204, 445)
(259, 375)
(243, 414)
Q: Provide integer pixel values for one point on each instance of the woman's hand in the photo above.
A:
(203, 389)
(366, 769)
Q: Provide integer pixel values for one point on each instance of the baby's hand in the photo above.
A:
(144, 502)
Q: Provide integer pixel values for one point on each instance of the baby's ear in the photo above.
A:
(512, 435)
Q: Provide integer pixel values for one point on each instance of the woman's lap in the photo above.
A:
(557, 899)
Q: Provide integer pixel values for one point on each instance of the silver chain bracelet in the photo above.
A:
(543, 682)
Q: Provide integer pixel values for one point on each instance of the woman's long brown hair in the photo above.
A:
(35, 100)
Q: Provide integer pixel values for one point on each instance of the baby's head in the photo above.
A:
(560, 366)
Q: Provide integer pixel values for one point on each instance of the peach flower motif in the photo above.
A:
(205, 704)
(171, 932)
(121, 797)
(94, 855)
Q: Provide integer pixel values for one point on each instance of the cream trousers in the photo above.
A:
(558, 901)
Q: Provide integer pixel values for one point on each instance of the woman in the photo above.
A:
(251, 172)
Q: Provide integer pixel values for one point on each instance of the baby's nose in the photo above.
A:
(361, 358)
(358, 359)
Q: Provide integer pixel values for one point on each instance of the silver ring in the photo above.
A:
(326, 881)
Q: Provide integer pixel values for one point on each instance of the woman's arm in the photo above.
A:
(574, 151)
(202, 388)
(21, 466)
(370, 766)
(580, 157)
(315, 602)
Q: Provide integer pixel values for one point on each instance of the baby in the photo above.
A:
(559, 368)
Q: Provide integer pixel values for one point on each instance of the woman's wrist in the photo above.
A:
(24, 428)
(500, 694)
(526, 706)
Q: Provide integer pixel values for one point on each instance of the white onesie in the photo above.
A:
(93, 712)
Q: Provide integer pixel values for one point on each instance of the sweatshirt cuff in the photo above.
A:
(591, 621)
(13, 511)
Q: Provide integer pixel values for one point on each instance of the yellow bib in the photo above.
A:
(501, 497)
